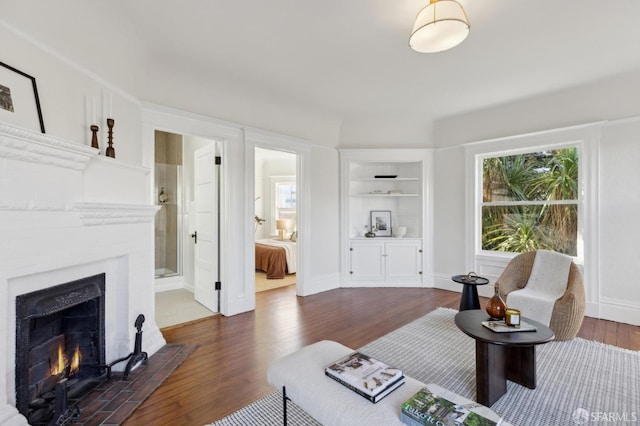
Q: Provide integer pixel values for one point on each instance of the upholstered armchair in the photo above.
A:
(568, 310)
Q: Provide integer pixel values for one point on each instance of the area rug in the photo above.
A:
(579, 381)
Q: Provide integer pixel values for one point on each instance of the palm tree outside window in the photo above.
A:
(530, 201)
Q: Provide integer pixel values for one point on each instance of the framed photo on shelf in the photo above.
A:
(381, 222)
(19, 102)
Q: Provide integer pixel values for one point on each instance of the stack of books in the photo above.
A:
(367, 376)
(425, 408)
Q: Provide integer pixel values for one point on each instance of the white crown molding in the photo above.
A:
(20, 144)
(93, 214)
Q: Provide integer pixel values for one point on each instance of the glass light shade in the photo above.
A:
(441, 25)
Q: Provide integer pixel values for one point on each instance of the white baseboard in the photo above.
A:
(169, 283)
(321, 283)
(619, 311)
(592, 310)
(375, 284)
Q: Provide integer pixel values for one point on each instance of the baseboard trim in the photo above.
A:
(375, 284)
(169, 283)
(321, 283)
(618, 311)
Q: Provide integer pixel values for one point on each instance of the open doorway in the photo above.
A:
(275, 219)
(186, 228)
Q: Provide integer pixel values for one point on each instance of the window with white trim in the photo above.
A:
(530, 200)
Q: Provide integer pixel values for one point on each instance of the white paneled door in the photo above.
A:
(206, 237)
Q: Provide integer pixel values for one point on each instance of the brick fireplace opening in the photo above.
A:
(56, 327)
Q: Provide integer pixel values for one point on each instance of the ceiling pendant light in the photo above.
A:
(441, 25)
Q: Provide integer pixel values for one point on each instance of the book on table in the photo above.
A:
(365, 375)
(426, 408)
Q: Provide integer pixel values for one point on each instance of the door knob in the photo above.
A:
(195, 237)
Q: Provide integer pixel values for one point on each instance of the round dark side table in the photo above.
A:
(469, 299)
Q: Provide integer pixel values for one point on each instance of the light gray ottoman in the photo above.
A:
(301, 377)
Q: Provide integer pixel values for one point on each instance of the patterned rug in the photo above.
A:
(579, 381)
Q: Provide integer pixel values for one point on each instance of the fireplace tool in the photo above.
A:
(63, 413)
(136, 357)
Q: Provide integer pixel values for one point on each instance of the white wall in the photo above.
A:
(68, 93)
(386, 132)
(603, 100)
(617, 296)
(449, 214)
(619, 230)
(252, 107)
(64, 91)
(324, 258)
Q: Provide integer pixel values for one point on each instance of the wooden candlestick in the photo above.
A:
(94, 136)
(111, 152)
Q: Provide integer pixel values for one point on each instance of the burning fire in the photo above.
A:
(75, 360)
(60, 365)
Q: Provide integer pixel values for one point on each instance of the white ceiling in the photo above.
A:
(346, 61)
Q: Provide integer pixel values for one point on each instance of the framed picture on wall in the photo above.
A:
(19, 102)
(381, 222)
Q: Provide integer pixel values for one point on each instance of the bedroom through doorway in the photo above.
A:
(275, 219)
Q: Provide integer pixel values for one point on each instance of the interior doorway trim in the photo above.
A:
(262, 139)
(234, 296)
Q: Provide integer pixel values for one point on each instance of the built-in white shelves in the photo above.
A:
(385, 187)
(376, 194)
(387, 179)
(392, 184)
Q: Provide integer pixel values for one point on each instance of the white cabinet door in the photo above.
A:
(367, 261)
(397, 262)
(403, 261)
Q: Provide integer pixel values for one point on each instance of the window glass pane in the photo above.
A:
(522, 228)
(543, 175)
(286, 195)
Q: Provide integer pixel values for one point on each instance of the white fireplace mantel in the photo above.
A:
(67, 212)
(24, 145)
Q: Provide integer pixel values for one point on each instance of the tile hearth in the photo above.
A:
(114, 400)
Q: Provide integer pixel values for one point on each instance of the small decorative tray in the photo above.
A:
(501, 327)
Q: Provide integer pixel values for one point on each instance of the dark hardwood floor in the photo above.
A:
(228, 369)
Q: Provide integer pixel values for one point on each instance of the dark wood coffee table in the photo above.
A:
(502, 356)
